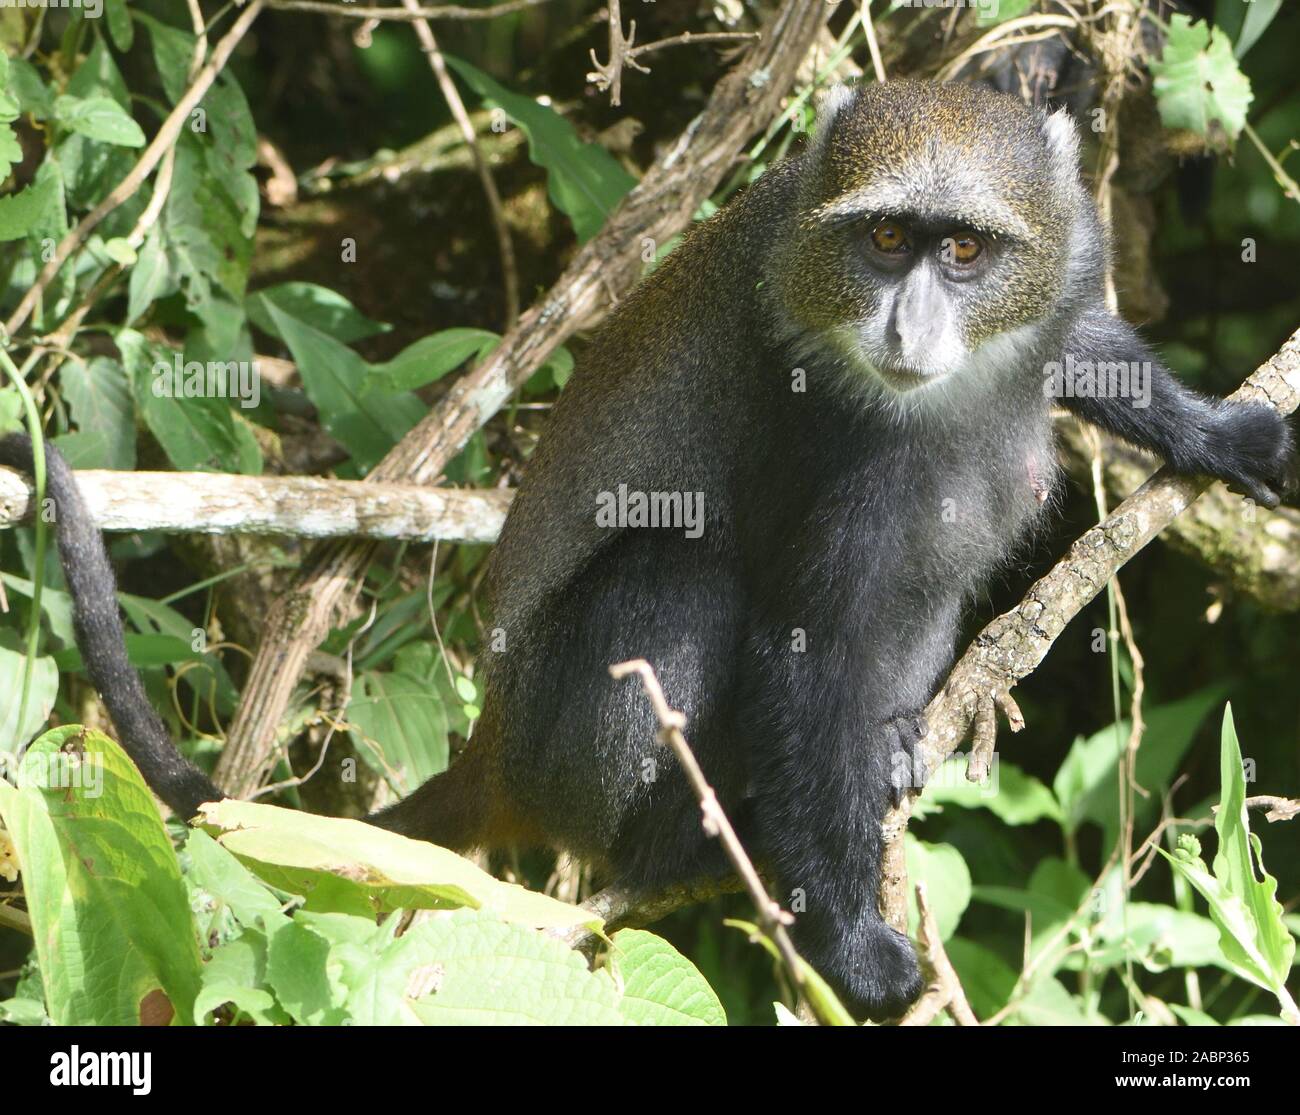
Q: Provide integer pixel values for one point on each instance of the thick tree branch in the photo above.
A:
(302, 506)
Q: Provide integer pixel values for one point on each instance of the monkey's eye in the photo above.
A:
(889, 237)
(962, 248)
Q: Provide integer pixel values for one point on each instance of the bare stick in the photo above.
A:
(671, 722)
(301, 506)
(944, 992)
(505, 247)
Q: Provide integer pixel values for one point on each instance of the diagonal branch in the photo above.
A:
(1012, 646)
(660, 206)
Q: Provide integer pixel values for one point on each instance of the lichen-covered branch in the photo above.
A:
(302, 506)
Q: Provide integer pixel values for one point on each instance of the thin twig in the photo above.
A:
(944, 991)
(770, 915)
(505, 247)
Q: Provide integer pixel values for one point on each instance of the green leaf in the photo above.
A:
(318, 306)
(141, 650)
(1157, 936)
(484, 972)
(99, 400)
(120, 28)
(585, 181)
(40, 699)
(1002, 11)
(151, 277)
(99, 118)
(1198, 84)
(109, 911)
(1010, 794)
(332, 374)
(1244, 23)
(222, 876)
(235, 975)
(429, 359)
(298, 971)
(19, 213)
(660, 987)
(1050, 1004)
(1241, 894)
(947, 883)
(198, 434)
(119, 250)
(987, 979)
(292, 850)
(1085, 785)
(33, 94)
(399, 725)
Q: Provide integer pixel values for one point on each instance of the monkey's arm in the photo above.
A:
(1247, 445)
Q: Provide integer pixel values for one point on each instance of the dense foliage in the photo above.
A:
(1074, 887)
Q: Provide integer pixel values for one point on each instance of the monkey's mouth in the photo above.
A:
(901, 377)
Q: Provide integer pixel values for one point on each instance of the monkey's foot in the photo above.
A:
(903, 735)
(874, 972)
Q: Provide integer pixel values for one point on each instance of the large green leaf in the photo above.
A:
(1010, 794)
(485, 972)
(332, 375)
(399, 724)
(20, 212)
(947, 883)
(318, 306)
(1242, 896)
(198, 434)
(659, 986)
(110, 914)
(1198, 84)
(1086, 783)
(99, 400)
(294, 851)
(99, 118)
(585, 181)
(429, 359)
(40, 698)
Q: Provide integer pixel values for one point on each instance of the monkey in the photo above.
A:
(852, 366)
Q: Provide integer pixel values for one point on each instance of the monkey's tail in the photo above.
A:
(101, 640)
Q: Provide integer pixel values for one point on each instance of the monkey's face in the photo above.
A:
(941, 217)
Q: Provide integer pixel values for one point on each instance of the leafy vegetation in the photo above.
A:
(1071, 889)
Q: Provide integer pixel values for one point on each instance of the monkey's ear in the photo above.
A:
(1062, 144)
(830, 104)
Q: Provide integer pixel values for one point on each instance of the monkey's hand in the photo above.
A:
(903, 733)
(1252, 450)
